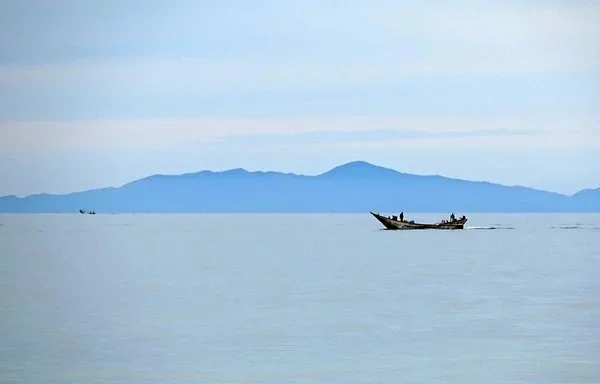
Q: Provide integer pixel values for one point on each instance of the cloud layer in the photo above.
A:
(133, 59)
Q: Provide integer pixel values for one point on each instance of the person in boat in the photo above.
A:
(452, 217)
(401, 216)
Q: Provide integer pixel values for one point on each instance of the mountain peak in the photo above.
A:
(360, 169)
(235, 172)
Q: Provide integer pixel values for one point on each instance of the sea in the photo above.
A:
(293, 298)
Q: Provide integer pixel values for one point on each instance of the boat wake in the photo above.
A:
(574, 227)
(489, 228)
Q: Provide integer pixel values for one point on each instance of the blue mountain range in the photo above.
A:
(354, 187)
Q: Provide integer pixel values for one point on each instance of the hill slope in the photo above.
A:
(352, 187)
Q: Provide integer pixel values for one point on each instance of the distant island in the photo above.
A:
(353, 187)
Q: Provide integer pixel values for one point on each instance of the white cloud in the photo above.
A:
(110, 136)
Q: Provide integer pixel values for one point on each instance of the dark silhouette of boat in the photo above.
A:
(395, 223)
(83, 212)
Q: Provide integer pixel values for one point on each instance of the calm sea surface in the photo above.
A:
(298, 299)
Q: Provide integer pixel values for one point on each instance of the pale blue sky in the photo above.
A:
(96, 94)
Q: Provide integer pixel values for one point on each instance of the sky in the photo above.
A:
(96, 94)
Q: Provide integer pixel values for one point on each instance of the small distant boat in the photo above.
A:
(393, 222)
(83, 212)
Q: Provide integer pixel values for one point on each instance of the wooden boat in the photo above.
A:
(393, 222)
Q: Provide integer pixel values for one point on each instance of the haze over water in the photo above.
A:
(298, 299)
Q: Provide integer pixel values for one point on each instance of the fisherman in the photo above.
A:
(452, 217)
(401, 216)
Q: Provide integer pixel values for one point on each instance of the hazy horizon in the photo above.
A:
(100, 94)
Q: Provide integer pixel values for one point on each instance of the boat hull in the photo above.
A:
(394, 224)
